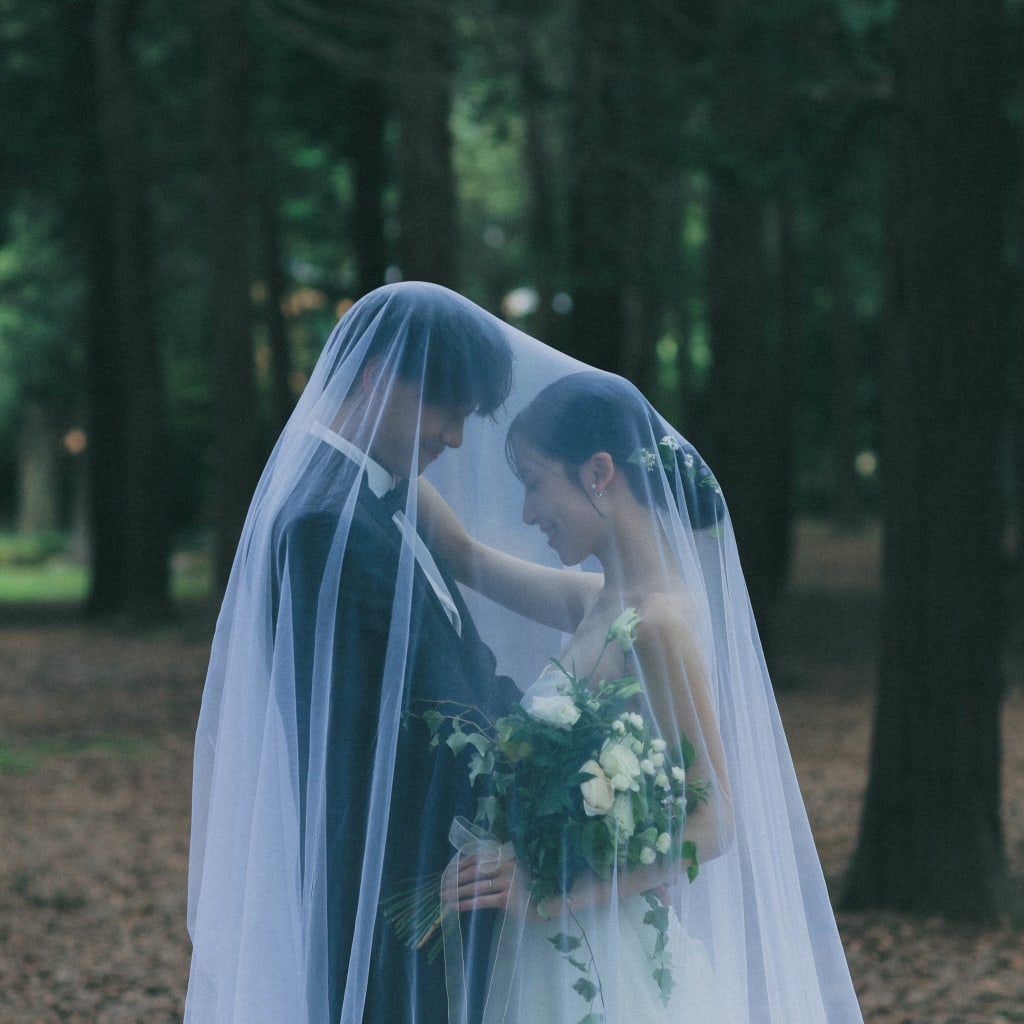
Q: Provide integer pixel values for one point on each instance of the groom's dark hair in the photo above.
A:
(451, 348)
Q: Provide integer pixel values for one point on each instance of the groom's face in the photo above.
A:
(412, 433)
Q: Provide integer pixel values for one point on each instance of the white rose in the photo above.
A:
(647, 856)
(622, 816)
(557, 710)
(663, 843)
(621, 765)
(598, 792)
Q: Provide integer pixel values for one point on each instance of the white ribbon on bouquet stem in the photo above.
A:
(470, 840)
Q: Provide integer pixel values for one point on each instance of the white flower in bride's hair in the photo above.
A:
(678, 773)
(623, 630)
(658, 746)
(669, 442)
(661, 781)
(647, 766)
(663, 843)
(647, 855)
(558, 710)
(598, 792)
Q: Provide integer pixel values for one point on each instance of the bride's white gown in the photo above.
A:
(617, 949)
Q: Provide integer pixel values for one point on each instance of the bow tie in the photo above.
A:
(394, 500)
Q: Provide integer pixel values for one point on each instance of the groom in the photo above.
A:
(418, 403)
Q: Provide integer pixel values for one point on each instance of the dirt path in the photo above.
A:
(95, 748)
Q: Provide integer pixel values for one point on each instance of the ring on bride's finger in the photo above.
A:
(490, 882)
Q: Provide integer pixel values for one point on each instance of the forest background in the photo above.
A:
(796, 224)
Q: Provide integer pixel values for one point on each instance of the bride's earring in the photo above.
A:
(597, 493)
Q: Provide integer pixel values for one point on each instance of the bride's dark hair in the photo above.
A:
(591, 411)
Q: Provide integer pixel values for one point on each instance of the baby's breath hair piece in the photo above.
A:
(665, 454)
(669, 454)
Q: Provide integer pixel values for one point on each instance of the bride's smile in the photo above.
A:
(558, 505)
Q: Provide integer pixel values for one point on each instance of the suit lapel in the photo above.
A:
(393, 532)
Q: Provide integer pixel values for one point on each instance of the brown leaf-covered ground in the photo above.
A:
(95, 744)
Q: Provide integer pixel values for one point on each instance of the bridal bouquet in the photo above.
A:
(575, 780)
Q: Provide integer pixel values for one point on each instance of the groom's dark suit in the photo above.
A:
(430, 787)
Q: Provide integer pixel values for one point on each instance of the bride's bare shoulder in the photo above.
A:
(668, 609)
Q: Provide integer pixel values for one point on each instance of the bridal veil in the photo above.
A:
(316, 782)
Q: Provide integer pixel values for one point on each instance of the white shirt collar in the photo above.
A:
(379, 479)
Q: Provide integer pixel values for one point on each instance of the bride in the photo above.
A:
(591, 458)
(611, 487)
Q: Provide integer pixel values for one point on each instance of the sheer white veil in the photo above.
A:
(315, 782)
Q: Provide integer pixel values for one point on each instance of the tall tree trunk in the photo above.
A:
(272, 256)
(753, 308)
(597, 188)
(751, 392)
(370, 173)
(541, 219)
(1015, 373)
(844, 373)
(237, 424)
(38, 470)
(930, 836)
(142, 590)
(105, 414)
(423, 63)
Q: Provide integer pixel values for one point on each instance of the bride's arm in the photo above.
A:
(553, 597)
(674, 672)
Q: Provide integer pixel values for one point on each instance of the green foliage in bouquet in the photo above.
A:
(576, 780)
(579, 781)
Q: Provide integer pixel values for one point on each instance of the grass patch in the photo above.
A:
(53, 581)
(35, 569)
(33, 549)
(22, 758)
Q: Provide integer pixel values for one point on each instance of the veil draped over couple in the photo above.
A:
(499, 745)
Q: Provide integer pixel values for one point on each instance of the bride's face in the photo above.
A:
(555, 501)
